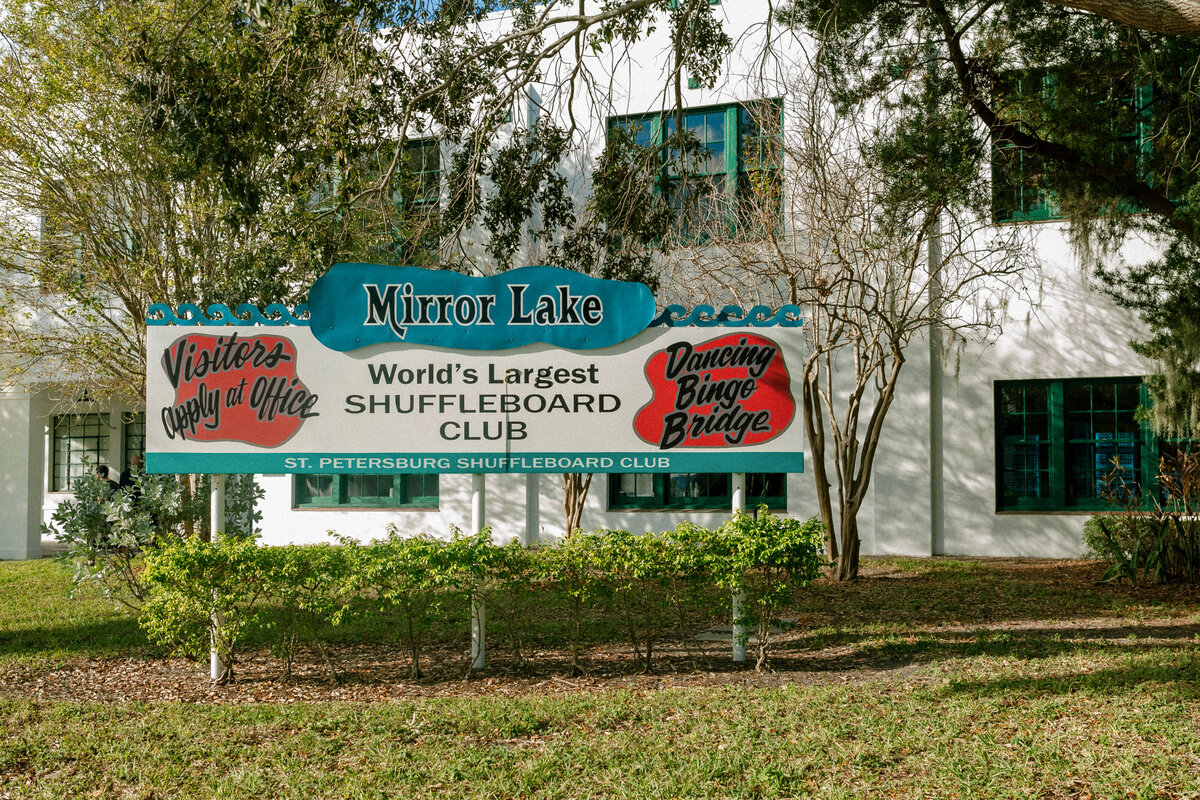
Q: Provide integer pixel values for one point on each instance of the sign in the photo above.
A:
(275, 400)
(357, 305)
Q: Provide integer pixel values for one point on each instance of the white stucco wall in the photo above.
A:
(1073, 332)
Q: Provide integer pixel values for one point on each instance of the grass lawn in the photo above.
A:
(928, 678)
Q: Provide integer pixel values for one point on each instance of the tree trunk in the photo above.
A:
(575, 490)
(1175, 17)
(814, 426)
(848, 563)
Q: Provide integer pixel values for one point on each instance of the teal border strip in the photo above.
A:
(393, 463)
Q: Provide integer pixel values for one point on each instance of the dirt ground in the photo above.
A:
(376, 672)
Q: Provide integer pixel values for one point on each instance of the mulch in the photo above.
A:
(381, 672)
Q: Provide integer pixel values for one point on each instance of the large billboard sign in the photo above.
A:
(288, 400)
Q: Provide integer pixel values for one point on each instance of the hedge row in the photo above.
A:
(195, 590)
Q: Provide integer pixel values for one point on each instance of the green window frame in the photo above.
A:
(79, 444)
(735, 158)
(1056, 441)
(700, 491)
(134, 435)
(1017, 195)
(338, 490)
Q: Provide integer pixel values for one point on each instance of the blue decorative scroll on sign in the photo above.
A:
(356, 305)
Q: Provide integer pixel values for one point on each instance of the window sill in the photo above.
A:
(1067, 512)
(365, 508)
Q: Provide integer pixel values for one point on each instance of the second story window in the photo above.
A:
(1047, 104)
(712, 164)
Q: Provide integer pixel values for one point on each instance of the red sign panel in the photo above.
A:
(726, 392)
(229, 388)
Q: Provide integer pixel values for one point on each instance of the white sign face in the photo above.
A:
(272, 400)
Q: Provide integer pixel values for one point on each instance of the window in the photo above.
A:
(718, 155)
(1058, 441)
(135, 435)
(695, 490)
(400, 227)
(77, 438)
(1018, 191)
(365, 491)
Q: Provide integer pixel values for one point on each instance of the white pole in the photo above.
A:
(216, 527)
(937, 496)
(740, 632)
(532, 508)
(937, 501)
(478, 611)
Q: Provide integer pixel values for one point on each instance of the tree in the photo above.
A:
(1177, 17)
(1087, 117)
(838, 219)
(195, 151)
(108, 208)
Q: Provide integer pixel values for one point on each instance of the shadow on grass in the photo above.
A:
(932, 592)
(1176, 672)
(115, 636)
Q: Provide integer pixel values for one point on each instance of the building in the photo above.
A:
(1002, 453)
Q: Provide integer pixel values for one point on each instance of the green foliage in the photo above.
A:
(1152, 539)
(1082, 118)
(510, 590)
(107, 532)
(766, 559)
(577, 572)
(413, 577)
(1166, 295)
(636, 568)
(242, 513)
(304, 587)
(229, 152)
(650, 583)
(205, 594)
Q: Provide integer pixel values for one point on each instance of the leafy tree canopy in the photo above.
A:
(185, 150)
(1090, 119)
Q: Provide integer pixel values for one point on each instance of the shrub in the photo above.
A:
(510, 591)
(766, 558)
(304, 587)
(1154, 537)
(106, 532)
(413, 577)
(689, 579)
(205, 594)
(636, 570)
(575, 568)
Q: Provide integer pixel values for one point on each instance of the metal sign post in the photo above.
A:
(740, 631)
(478, 609)
(216, 527)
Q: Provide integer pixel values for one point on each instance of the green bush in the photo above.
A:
(574, 568)
(766, 559)
(510, 591)
(106, 532)
(638, 570)
(206, 594)
(1152, 536)
(305, 588)
(199, 594)
(413, 577)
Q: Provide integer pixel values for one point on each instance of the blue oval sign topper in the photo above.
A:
(356, 305)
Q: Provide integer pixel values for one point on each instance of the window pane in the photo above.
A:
(317, 486)
(1024, 425)
(371, 491)
(78, 438)
(1103, 456)
(135, 436)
